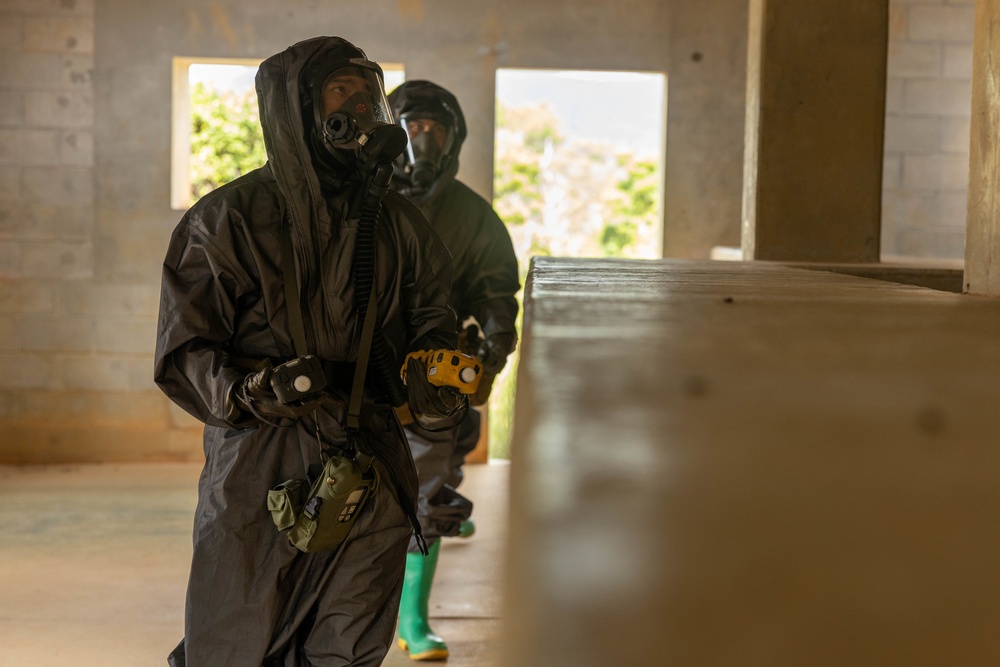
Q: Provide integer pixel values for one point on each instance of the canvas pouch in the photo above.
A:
(319, 516)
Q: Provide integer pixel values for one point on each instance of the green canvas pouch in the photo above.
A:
(325, 517)
(285, 501)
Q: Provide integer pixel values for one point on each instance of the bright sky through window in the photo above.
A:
(624, 109)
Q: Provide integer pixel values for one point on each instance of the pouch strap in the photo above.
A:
(363, 455)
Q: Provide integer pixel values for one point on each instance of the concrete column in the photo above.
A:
(982, 263)
(812, 180)
(707, 71)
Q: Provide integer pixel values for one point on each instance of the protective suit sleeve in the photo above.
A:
(494, 350)
(433, 408)
(426, 289)
(492, 283)
(193, 363)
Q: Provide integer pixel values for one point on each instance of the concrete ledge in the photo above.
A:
(937, 278)
(938, 274)
(743, 463)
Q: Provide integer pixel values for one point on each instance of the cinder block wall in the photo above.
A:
(85, 163)
(928, 105)
(74, 344)
(81, 243)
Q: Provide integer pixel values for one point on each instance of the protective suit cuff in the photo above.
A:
(235, 413)
(442, 422)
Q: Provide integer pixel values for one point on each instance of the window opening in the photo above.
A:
(578, 172)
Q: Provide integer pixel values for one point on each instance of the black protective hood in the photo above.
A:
(425, 97)
(285, 91)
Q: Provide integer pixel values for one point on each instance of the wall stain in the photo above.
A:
(931, 420)
(195, 27)
(413, 9)
(695, 386)
(221, 20)
(492, 38)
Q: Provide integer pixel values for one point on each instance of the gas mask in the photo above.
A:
(352, 119)
(431, 139)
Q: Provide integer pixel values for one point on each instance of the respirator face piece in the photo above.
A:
(353, 116)
(431, 140)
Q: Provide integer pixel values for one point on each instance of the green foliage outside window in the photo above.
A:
(634, 208)
(562, 196)
(226, 139)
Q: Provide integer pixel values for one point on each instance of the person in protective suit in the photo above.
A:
(484, 288)
(311, 216)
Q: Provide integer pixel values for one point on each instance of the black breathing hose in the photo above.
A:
(380, 362)
(385, 370)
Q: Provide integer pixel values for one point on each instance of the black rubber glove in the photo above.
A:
(493, 351)
(256, 397)
(469, 340)
(434, 408)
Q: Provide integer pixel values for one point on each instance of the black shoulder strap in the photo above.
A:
(292, 286)
(295, 322)
(354, 409)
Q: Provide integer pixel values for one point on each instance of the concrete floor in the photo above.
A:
(94, 562)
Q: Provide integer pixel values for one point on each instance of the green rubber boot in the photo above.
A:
(415, 634)
(467, 529)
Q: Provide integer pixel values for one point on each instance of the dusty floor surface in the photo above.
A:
(94, 562)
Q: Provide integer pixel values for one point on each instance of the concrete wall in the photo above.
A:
(85, 164)
(74, 343)
(928, 106)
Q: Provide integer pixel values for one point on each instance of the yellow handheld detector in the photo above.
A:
(448, 368)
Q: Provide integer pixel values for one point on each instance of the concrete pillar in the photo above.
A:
(812, 179)
(982, 263)
(707, 71)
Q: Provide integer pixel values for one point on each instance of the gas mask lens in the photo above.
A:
(353, 106)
